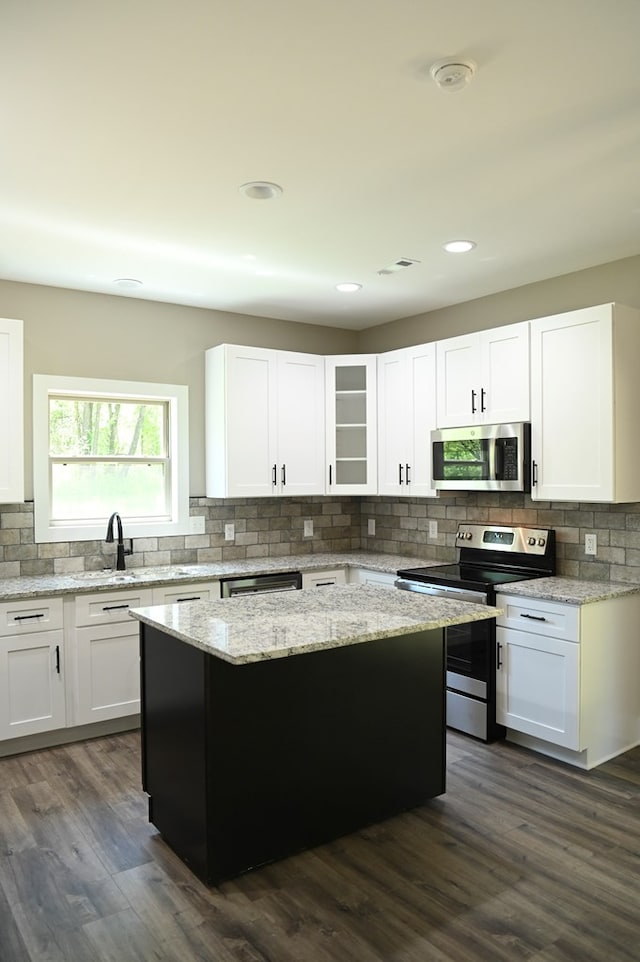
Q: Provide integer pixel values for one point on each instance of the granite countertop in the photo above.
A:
(571, 591)
(244, 630)
(82, 582)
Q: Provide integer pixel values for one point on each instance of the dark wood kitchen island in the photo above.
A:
(275, 723)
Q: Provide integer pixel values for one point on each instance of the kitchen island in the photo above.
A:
(276, 723)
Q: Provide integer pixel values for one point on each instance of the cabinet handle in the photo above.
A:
(28, 617)
(180, 600)
(330, 481)
(473, 402)
(400, 474)
(113, 607)
(482, 397)
(533, 617)
(406, 474)
(324, 584)
(274, 474)
(498, 659)
(534, 474)
(284, 475)
(58, 658)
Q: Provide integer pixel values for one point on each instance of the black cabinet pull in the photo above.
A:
(274, 474)
(28, 617)
(330, 482)
(482, 397)
(473, 402)
(533, 617)
(58, 658)
(406, 474)
(534, 474)
(400, 474)
(180, 600)
(498, 659)
(114, 607)
(284, 475)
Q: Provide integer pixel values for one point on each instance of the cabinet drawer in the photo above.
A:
(110, 606)
(539, 617)
(323, 579)
(36, 614)
(177, 594)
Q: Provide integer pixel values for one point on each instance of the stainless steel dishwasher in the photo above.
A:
(260, 584)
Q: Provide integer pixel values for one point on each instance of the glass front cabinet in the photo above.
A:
(351, 424)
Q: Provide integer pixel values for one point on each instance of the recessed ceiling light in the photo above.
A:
(127, 283)
(459, 246)
(349, 288)
(261, 190)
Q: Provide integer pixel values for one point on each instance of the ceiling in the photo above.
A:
(128, 128)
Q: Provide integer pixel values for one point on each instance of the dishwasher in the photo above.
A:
(260, 584)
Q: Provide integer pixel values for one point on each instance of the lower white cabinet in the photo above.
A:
(323, 579)
(179, 594)
(567, 676)
(106, 655)
(366, 576)
(32, 686)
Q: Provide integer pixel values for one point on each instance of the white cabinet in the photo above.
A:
(106, 656)
(585, 398)
(566, 676)
(351, 424)
(264, 422)
(323, 579)
(32, 689)
(483, 378)
(406, 417)
(366, 576)
(179, 594)
(11, 412)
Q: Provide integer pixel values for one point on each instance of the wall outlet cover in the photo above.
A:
(433, 529)
(371, 526)
(196, 524)
(229, 531)
(590, 544)
(308, 528)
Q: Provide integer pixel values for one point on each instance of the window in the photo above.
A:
(104, 446)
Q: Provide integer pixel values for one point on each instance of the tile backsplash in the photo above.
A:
(274, 527)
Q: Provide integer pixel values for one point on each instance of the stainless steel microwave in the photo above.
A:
(482, 457)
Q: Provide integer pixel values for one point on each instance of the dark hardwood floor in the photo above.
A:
(523, 859)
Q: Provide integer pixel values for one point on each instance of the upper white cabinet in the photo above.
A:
(264, 422)
(351, 424)
(406, 417)
(483, 378)
(585, 398)
(11, 412)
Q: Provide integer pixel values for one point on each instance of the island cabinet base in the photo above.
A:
(246, 764)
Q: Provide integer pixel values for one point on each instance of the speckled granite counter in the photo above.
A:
(571, 591)
(241, 630)
(85, 581)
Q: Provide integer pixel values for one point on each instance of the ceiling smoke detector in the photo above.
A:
(452, 74)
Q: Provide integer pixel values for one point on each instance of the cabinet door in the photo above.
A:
(365, 576)
(323, 579)
(32, 696)
(300, 430)
(241, 421)
(572, 412)
(538, 686)
(351, 424)
(504, 374)
(11, 412)
(394, 422)
(421, 364)
(458, 381)
(107, 672)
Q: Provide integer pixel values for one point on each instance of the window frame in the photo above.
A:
(177, 397)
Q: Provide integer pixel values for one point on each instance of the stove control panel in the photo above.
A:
(502, 538)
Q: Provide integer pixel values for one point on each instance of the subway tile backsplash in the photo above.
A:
(274, 527)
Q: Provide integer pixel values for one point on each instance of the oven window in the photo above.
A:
(468, 649)
(463, 460)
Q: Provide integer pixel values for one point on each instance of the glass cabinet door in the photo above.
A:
(351, 428)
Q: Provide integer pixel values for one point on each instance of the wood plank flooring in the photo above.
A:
(523, 859)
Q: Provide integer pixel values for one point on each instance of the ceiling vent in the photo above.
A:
(399, 265)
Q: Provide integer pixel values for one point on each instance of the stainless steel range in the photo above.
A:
(490, 557)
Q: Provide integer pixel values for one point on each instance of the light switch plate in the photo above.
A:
(308, 528)
(229, 531)
(433, 529)
(371, 526)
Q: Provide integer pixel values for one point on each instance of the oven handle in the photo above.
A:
(442, 591)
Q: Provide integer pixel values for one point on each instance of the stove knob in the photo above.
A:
(541, 542)
(531, 540)
(468, 535)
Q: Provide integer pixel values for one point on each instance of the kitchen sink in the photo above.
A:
(107, 575)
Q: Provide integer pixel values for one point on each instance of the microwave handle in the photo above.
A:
(498, 460)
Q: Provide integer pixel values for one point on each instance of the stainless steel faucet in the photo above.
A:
(121, 551)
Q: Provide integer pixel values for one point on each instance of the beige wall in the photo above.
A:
(80, 334)
(618, 281)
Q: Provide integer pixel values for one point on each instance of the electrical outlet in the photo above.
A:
(229, 531)
(196, 524)
(433, 529)
(308, 528)
(371, 526)
(590, 544)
